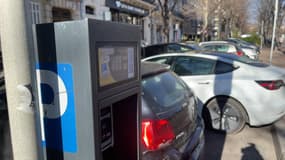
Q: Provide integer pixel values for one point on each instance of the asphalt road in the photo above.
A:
(249, 144)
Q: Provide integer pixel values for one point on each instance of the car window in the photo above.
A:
(161, 60)
(209, 48)
(163, 91)
(193, 66)
(178, 48)
(222, 48)
(153, 50)
(219, 47)
(222, 67)
(173, 48)
(232, 49)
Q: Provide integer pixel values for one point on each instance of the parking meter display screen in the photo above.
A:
(116, 64)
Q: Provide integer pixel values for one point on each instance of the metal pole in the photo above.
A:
(16, 62)
(262, 37)
(274, 28)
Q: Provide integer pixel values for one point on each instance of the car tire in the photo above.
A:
(225, 114)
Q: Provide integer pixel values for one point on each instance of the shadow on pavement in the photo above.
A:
(214, 144)
(251, 153)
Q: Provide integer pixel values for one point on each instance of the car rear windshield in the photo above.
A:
(163, 91)
(247, 60)
(242, 59)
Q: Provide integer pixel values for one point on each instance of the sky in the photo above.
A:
(252, 11)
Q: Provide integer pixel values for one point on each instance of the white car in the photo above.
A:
(229, 47)
(251, 53)
(233, 90)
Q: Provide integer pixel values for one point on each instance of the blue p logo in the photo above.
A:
(56, 103)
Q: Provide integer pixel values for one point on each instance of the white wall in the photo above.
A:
(147, 30)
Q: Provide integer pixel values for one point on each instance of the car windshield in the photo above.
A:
(163, 91)
(193, 46)
(179, 48)
(243, 42)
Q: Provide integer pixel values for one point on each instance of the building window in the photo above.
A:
(126, 18)
(61, 14)
(35, 10)
(89, 10)
(115, 16)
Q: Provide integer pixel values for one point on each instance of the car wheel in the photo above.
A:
(225, 114)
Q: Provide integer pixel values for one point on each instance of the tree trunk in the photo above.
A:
(206, 15)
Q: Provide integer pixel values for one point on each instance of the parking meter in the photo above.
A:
(88, 78)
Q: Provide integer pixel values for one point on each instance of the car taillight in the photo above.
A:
(271, 85)
(240, 53)
(156, 133)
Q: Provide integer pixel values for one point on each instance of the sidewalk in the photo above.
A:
(278, 59)
(279, 138)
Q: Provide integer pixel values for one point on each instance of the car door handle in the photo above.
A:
(203, 82)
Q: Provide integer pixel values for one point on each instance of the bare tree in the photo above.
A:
(166, 9)
(234, 15)
(281, 16)
(265, 14)
(230, 15)
(206, 10)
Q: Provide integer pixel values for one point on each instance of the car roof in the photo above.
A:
(223, 55)
(214, 42)
(151, 68)
(161, 44)
(205, 54)
(217, 43)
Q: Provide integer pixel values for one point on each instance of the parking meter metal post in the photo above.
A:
(88, 74)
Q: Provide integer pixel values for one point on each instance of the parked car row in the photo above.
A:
(231, 45)
(223, 88)
(222, 46)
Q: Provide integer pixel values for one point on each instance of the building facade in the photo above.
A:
(132, 12)
(144, 13)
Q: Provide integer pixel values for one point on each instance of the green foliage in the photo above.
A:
(254, 38)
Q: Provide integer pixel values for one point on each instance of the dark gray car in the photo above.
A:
(156, 49)
(171, 126)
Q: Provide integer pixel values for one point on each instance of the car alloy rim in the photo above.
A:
(228, 120)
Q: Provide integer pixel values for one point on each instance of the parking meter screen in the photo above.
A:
(116, 64)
